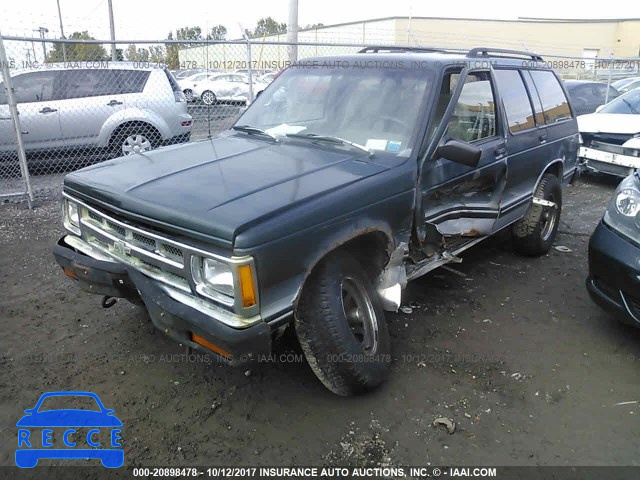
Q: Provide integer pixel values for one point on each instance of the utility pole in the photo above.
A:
(64, 45)
(112, 28)
(292, 31)
(42, 31)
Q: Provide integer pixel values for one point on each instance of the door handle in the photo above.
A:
(543, 137)
(113, 103)
(48, 110)
(500, 152)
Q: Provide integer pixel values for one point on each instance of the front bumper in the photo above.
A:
(177, 320)
(614, 274)
(607, 158)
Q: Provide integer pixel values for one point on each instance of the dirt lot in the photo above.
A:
(511, 349)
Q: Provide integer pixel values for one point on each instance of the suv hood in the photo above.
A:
(217, 188)
(609, 123)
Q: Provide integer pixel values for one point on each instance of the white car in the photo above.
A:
(611, 136)
(187, 83)
(119, 107)
(226, 87)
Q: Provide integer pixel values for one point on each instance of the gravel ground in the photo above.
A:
(511, 349)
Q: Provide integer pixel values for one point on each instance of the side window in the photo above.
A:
(554, 102)
(474, 117)
(90, 83)
(34, 87)
(132, 81)
(535, 98)
(515, 100)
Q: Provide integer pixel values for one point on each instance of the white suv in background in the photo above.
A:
(107, 105)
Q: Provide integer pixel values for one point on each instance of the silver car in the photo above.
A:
(108, 105)
(226, 87)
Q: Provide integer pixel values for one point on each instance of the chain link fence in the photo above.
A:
(66, 104)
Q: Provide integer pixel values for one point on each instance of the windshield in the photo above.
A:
(377, 108)
(629, 104)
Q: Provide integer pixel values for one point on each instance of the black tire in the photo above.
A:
(534, 233)
(348, 359)
(188, 95)
(208, 98)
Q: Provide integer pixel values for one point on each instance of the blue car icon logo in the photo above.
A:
(102, 436)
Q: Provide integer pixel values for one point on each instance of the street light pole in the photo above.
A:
(64, 45)
(114, 56)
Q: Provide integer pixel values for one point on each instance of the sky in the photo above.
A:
(150, 20)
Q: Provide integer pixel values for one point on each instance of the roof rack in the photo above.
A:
(502, 52)
(392, 48)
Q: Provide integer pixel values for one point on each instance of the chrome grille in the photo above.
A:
(156, 256)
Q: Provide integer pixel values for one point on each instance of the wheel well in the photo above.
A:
(556, 169)
(371, 250)
(153, 131)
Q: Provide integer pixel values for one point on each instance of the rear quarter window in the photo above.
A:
(554, 102)
(132, 81)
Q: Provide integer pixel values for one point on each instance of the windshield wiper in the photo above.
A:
(253, 131)
(330, 139)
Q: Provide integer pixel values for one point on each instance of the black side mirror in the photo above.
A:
(459, 152)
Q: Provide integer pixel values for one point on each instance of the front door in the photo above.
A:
(456, 199)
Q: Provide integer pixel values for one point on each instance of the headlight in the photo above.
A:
(71, 216)
(213, 279)
(622, 214)
(218, 276)
(628, 202)
(233, 283)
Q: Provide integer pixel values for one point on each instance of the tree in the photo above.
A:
(313, 26)
(172, 49)
(267, 26)
(219, 32)
(78, 52)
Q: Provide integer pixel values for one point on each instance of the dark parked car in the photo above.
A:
(346, 178)
(586, 96)
(614, 249)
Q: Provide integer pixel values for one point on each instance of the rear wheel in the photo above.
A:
(188, 95)
(534, 233)
(341, 327)
(208, 97)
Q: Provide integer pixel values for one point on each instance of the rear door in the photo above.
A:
(89, 98)
(526, 138)
(460, 200)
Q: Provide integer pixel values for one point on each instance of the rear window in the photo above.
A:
(516, 100)
(554, 102)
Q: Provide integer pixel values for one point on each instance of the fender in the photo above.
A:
(132, 114)
(344, 235)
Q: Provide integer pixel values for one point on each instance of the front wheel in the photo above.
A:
(341, 327)
(534, 233)
(188, 95)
